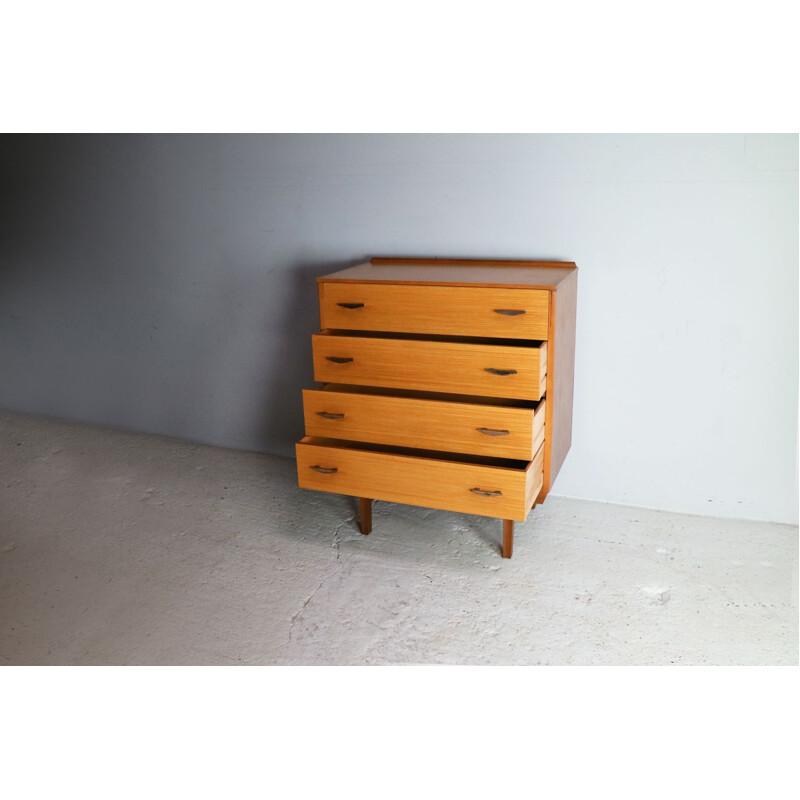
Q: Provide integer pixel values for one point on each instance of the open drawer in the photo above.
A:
(489, 487)
(490, 368)
(457, 424)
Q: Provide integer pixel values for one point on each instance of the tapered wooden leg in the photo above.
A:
(508, 537)
(365, 510)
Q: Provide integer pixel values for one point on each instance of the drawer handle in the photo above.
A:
(328, 415)
(324, 470)
(496, 493)
(492, 432)
(357, 305)
(509, 312)
(338, 359)
(501, 371)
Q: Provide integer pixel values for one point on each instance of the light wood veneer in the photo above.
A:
(431, 424)
(448, 310)
(447, 384)
(489, 488)
(493, 370)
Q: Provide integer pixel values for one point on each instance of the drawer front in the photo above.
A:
(480, 369)
(428, 424)
(447, 310)
(499, 492)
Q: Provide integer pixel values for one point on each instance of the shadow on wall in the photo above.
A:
(75, 263)
(32, 176)
(292, 368)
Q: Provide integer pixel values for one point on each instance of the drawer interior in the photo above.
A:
(439, 455)
(441, 397)
(429, 337)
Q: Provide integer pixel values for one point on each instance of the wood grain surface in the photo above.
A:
(560, 379)
(439, 366)
(455, 427)
(489, 491)
(449, 310)
(457, 272)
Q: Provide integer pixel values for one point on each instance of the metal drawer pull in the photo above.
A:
(328, 415)
(338, 359)
(501, 371)
(497, 493)
(509, 312)
(492, 432)
(324, 470)
(360, 305)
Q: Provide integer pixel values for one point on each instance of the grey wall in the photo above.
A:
(165, 283)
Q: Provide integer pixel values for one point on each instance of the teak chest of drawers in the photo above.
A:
(446, 383)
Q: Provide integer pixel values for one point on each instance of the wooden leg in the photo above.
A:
(365, 509)
(508, 537)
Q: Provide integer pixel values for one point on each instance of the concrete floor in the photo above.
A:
(121, 548)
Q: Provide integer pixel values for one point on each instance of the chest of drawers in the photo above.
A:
(445, 383)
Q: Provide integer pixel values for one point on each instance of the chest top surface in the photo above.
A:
(457, 272)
